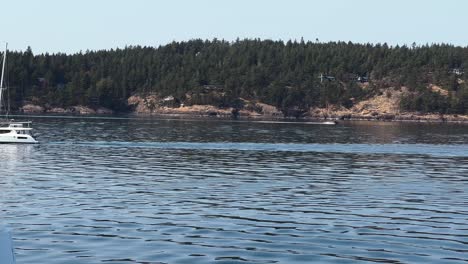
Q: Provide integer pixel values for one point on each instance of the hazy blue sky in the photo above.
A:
(71, 26)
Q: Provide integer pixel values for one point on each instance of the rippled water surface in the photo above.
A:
(213, 191)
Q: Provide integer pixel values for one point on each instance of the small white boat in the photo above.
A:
(16, 132)
(12, 131)
(329, 122)
(298, 122)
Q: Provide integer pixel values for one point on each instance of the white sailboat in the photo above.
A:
(12, 131)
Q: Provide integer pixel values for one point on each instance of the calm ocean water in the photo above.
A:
(213, 191)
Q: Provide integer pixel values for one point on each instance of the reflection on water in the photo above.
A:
(12, 157)
(159, 191)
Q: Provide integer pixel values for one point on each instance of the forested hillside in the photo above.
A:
(226, 74)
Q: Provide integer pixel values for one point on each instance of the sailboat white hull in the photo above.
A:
(14, 138)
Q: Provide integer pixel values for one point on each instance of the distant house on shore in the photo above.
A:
(169, 101)
(168, 98)
(326, 77)
(457, 71)
(362, 79)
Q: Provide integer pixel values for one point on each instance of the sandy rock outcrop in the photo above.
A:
(143, 105)
(32, 108)
(269, 110)
(201, 110)
(82, 110)
(57, 110)
(153, 104)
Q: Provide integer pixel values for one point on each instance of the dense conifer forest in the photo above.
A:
(288, 75)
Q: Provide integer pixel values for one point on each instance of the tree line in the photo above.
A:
(218, 72)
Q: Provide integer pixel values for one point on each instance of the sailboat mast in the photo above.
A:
(3, 74)
(3, 66)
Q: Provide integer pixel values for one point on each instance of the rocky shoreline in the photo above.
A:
(379, 108)
(208, 111)
(223, 114)
(79, 110)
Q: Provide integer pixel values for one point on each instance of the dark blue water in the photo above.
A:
(193, 191)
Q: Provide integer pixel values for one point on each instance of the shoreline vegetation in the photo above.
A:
(251, 78)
